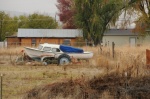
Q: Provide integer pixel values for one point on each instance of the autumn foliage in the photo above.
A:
(66, 13)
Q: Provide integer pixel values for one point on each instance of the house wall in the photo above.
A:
(125, 40)
(146, 40)
(25, 41)
(13, 41)
(47, 40)
(28, 41)
(118, 40)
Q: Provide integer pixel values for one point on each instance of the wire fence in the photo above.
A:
(18, 44)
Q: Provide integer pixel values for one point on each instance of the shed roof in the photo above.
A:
(69, 33)
(72, 33)
(120, 32)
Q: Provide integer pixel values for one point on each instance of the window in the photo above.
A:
(33, 41)
(47, 48)
(55, 50)
(67, 42)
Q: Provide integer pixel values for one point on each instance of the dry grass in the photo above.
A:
(11, 51)
(18, 79)
(110, 86)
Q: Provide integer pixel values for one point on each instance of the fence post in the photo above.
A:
(147, 58)
(113, 51)
(1, 85)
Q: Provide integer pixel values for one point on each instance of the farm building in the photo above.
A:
(32, 37)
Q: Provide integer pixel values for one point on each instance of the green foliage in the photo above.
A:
(37, 21)
(41, 21)
(94, 16)
(23, 22)
(9, 25)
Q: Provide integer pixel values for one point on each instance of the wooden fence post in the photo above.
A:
(1, 85)
(113, 51)
(148, 58)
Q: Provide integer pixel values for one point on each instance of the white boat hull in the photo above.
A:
(38, 54)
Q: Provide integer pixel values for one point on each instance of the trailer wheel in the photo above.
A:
(47, 60)
(64, 59)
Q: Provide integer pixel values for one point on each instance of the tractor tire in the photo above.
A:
(64, 59)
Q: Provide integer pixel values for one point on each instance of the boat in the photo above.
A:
(55, 51)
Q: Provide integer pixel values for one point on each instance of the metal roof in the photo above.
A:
(120, 32)
(72, 33)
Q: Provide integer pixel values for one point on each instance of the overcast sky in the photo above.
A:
(29, 6)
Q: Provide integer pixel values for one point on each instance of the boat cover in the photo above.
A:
(70, 49)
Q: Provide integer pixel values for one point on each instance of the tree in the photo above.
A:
(37, 21)
(41, 21)
(94, 17)
(23, 22)
(142, 7)
(8, 25)
(66, 13)
(2, 14)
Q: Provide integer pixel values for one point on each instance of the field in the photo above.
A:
(103, 77)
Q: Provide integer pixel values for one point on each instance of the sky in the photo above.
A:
(29, 6)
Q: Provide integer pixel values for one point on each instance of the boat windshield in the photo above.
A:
(40, 47)
(47, 48)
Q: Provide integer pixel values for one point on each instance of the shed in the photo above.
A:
(32, 37)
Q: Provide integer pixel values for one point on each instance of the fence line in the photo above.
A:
(3, 44)
(18, 44)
